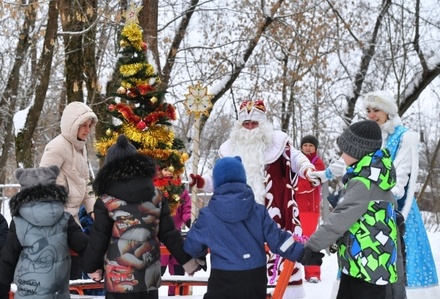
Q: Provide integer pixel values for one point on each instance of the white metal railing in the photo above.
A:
(4, 198)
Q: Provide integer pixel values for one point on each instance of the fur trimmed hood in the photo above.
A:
(138, 165)
(49, 193)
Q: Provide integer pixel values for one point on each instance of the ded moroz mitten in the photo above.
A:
(335, 169)
(196, 180)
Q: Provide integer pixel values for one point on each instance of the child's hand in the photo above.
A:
(194, 265)
(96, 276)
(310, 257)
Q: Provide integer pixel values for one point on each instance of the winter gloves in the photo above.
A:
(194, 265)
(196, 180)
(336, 169)
(310, 257)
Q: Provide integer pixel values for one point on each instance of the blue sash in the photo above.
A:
(393, 145)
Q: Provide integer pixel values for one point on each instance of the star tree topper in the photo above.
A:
(198, 101)
(131, 15)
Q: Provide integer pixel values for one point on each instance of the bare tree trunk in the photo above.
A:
(90, 79)
(9, 98)
(23, 141)
(367, 56)
(180, 34)
(73, 15)
(148, 22)
(413, 91)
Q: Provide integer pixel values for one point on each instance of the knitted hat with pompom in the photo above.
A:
(228, 170)
(120, 150)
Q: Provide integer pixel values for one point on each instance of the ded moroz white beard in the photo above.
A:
(251, 146)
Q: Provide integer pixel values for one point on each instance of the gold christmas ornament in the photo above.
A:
(123, 43)
(153, 100)
(121, 90)
(185, 157)
(171, 169)
(109, 132)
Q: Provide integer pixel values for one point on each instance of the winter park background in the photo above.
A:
(309, 60)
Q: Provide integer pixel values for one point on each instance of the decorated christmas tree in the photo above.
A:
(141, 112)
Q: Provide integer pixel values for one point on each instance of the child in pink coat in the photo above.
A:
(182, 216)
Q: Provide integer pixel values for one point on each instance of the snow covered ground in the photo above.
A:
(329, 268)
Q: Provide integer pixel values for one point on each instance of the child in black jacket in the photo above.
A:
(132, 218)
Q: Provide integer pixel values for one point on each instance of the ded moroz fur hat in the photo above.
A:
(228, 170)
(252, 110)
(360, 139)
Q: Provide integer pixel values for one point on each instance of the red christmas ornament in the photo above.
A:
(144, 88)
(141, 125)
(111, 107)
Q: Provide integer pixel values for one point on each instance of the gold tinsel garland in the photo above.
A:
(135, 82)
(128, 70)
(134, 34)
(103, 145)
(150, 138)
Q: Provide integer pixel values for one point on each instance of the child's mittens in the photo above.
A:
(96, 276)
(310, 257)
(335, 169)
(338, 168)
(317, 177)
(191, 267)
(196, 180)
(202, 263)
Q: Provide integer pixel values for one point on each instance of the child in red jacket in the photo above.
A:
(308, 197)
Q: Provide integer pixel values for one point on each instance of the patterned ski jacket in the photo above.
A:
(364, 221)
(131, 219)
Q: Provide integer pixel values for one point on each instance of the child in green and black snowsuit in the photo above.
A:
(364, 221)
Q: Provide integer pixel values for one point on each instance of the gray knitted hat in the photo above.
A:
(120, 150)
(32, 177)
(360, 139)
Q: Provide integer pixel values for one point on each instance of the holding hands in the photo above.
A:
(336, 169)
(96, 276)
(194, 265)
(310, 257)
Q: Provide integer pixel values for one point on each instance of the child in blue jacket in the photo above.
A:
(234, 228)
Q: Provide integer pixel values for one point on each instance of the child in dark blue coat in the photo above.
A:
(234, 228)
